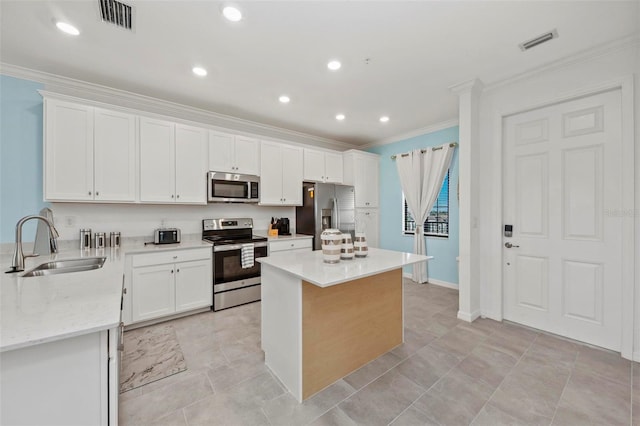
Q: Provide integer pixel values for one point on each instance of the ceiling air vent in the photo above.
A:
(538, 40)
(117, 13)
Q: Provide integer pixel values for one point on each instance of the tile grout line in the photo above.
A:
(564, 388)
(437, 381)
(504, 378)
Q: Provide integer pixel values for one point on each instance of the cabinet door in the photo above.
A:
(333, 167)
(153, 292)
(247, 155)
(372, 181)
(291, 175)
(68, 151)
(369, 223)
(194, 285)
(270, 173)
(157, 161)
(191, 165)
(366, 181)
(314, 165)
(115, 156)
(221, 148)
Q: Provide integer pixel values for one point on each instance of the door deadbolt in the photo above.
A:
(509, 245)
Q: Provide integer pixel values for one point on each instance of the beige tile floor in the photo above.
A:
(447, 372)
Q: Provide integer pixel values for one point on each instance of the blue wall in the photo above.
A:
(445, 250)
(20, 155)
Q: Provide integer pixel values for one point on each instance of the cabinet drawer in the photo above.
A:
(171, 256)
(276, 246)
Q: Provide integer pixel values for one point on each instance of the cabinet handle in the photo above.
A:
(89, 192)
(178, 270)
(175, 257)
(124, 290)
(172, 271)
(172, 195)
(178, 196)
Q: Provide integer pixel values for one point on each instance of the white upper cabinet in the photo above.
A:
(361, 169)
(173, 163)
(191, 164)
(115, 156)
(280, 174)
(89, 153)
(322, 166)
(233, 154)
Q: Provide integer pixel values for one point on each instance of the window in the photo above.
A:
(437, 223)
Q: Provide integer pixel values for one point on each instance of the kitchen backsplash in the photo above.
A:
(140, 220)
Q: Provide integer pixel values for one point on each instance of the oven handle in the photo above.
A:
(236, 247)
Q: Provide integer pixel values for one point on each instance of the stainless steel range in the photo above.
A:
(236, 273)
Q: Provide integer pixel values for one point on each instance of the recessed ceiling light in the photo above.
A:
(334, 65)
(232, 14)
(284, 99)
(67, 28)
(199, 71)
(340, 117)
(384, 119)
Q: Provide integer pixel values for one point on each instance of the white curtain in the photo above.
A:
(421, 176)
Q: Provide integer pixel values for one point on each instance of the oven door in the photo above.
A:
(228, 273)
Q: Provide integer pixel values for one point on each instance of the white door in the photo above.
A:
(333, 167)
(153, 289)
(562, 175)
(191, 164)
(221, 147)
(246, 154)
(157, 161)
(291, 176)
(115, 155)
(271, 174)
(68, 148)
(314, 165)
(194, 286)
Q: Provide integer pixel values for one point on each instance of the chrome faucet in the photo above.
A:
(17, 264)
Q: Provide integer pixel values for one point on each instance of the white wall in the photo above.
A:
(538, 89)
(139, 220)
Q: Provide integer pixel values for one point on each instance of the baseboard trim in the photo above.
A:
(434, 281)
(468, 317)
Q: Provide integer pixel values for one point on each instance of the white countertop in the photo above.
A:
(284, 237)
(36, 310)
(310, 267)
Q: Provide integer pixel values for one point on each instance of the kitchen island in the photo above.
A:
(322, 321)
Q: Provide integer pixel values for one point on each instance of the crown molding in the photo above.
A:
(583, 56)
(413, 133)
(467, 86)
(100, 93)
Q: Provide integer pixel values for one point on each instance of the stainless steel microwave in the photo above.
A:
(225, 187)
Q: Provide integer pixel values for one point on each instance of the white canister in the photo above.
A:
(360, 245)
(346, 251)
(331, 244)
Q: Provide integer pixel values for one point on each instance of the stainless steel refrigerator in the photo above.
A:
(325, 205)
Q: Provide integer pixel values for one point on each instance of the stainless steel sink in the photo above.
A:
(66, 266)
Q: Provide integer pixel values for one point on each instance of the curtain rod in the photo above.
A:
(435, 148)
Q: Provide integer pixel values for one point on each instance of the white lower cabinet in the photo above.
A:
(71, 381)
(167, 283)
(290, 245)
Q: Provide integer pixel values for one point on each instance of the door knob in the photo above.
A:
(509, 245)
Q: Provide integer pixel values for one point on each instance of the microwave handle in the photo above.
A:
(248, 189)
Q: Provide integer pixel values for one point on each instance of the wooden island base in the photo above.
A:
(348, 325)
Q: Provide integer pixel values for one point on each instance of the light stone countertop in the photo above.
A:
(36, 310)
(309, 265)
(283, 237)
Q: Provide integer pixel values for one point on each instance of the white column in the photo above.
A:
(469, 266)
